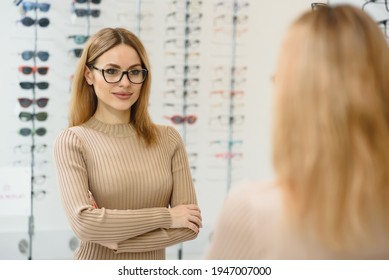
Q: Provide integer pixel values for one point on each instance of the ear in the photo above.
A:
(88, 76)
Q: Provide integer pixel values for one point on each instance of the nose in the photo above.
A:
(125, 80)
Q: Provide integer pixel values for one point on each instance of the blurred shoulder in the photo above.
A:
(255, 195)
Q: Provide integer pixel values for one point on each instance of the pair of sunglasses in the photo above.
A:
(29, 6)
(26, 116)
(79, 39)
(28, 131)
(28, 21)
(30, 85)
(177, 119)
(27, 102)
(87, 12)
(32, 69)
(86, 1)
(42, 55)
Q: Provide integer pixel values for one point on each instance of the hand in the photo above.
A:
(110, 245)
(186, 216)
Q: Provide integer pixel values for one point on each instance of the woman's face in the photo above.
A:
(115, 99)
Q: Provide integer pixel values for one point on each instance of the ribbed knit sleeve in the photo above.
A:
(102, 224)
(183, 192)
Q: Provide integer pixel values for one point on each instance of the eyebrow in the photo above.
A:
(118, 66)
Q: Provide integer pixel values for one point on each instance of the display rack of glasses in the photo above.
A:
(182, 28)
(229, 25)
(30, 12)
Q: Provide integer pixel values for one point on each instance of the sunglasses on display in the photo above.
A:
(26, 116)
(28, 21)
(42, 55)
(27, 70)
(30, 85)
(79, 39)
(27, 102)
(177, 119)
(87, 12)
(76, 52)
(87, 1)
(29, 6)
(28, 131)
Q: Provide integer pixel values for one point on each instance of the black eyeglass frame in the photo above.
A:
(127, 73)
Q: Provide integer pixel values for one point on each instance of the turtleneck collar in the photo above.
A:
(117, 130)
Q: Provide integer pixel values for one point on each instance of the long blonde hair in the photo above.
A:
(83, 101)
(331, 125)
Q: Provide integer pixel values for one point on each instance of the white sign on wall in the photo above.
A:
(15, 191)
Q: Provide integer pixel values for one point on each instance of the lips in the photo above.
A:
(122, 95)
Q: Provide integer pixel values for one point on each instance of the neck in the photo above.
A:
(117, 117)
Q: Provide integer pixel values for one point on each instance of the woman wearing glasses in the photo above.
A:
(330, 199)
(125, 182)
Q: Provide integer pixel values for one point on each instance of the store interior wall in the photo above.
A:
(252, 52)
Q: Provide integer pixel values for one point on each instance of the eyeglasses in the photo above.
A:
(183, 43)
(376, 2)
(183, 82)
(27, 102)
(39, 180)
(29, 6)
(181, 105)
(32, 69)
(28, 21)
(229, 155)
(30, 85)
(42, 55)
(25, 163)
(28, 131)
(87, 12)
(88, 1)
(113, 75)
(179, 31)
(39, 194)
(183, 17)
(230, 19)
(316, 6)
(181, 93)
(26, 116)
(180, 69)
(228, 120)
(177, 119)
(24, 148)
(226, 143)
(384, 25)
(228, 93)
(228, 5)
(79, 39)
(183, 5)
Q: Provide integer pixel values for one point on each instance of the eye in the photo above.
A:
(135, 72)
(112, 71)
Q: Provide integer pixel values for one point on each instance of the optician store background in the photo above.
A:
(211, 81)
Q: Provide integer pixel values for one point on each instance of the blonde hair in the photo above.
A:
(331, 125)
(83, 101)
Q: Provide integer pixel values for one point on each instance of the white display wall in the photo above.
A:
(211, 52)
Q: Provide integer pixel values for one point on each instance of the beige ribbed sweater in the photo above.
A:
(132, 184)
(251, 225)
